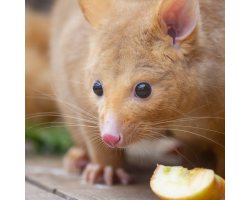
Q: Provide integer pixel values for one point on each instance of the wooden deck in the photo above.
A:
(45, 179)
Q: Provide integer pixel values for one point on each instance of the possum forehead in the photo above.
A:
(122, 53)
(130, 64)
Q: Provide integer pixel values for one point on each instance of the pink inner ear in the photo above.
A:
(180, 17)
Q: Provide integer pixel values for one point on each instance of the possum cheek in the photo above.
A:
(112, 133)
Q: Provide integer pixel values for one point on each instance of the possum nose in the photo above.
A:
(111, 133)
(110, 140)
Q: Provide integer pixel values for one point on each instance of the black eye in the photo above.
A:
(143, 90)
(97, 88)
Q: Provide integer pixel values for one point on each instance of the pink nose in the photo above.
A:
(110, 140)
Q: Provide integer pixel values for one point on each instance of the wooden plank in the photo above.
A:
(70, 186)
(52, 178)
(55, 162)
(114, 193)
(33, 192)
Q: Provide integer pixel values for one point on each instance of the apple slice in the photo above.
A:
(178, 183)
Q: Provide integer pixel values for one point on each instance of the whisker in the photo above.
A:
(66, 126)
(190, 127)
(196, 134)
(181, 119)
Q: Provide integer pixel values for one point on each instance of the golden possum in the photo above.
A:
(130, 70)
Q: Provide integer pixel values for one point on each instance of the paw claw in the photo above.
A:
(108, 175)
(94, 173)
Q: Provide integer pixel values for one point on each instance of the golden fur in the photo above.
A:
(125, 46)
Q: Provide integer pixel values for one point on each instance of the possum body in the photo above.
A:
(175, 46)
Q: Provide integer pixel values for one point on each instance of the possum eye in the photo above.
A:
(97, 88)
(143, 90)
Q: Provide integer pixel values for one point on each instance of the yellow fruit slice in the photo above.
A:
(178, 183)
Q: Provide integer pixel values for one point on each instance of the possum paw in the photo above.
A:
(75, 160)
(94, 173)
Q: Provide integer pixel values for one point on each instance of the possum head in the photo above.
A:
(139, 68)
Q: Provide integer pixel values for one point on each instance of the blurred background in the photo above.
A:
(39, 5)
(44, 132)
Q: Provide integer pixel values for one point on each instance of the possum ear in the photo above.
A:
(178, 18)
(94, 11)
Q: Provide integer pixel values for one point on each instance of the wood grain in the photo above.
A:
(35, 193)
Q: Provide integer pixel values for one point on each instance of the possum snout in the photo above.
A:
(112, 133)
